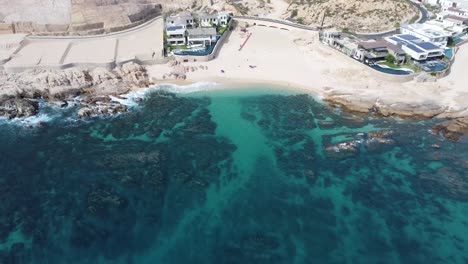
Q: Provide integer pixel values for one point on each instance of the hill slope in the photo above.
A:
(355, 15)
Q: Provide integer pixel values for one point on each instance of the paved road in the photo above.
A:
(424, 17)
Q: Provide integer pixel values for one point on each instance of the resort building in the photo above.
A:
(428, 33)
(419, 49)
(201, 36)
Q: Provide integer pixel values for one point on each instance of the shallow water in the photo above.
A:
(247, 176)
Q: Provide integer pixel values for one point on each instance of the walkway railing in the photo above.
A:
(278, 21)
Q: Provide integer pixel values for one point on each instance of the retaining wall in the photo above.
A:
(277, 21)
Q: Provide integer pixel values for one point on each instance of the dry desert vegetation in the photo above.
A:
(355, 15)
(93, 16)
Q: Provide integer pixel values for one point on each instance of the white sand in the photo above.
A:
(296, 59)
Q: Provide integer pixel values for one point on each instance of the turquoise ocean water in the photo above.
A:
(234, 176)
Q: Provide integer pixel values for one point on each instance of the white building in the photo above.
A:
(417, 48)
(176, 35)
(183, 19)
(223, 18)
(428, 33)
(208, 20)
(463, 4)
(201, 36)
(432, 2)
(455, 11)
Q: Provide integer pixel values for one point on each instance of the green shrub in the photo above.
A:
(390, 58)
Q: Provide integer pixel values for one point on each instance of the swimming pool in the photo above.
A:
(199, 52)
(390, 70)
(449, 53)
(436, 67)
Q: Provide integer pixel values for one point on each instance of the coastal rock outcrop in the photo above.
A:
(100, 106)
(15, 107)
(88, 89)
(453, 129)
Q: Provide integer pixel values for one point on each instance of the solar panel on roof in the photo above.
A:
(407, 37)
(414, 48)
(174, 28)
(427, 46)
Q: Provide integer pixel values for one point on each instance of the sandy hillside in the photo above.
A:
(75, 12)
(355, 15)
(39, 11)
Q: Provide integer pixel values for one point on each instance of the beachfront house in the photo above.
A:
(208, 20)
(375, 50)
(184, 31)
(183, 19)
(419, 49)
(176, 35)
(329, 37)
(428, 33)
(345, 45)
(201, 36)
(378, 50)
(223, 18)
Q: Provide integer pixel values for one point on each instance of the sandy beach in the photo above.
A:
(297, 59)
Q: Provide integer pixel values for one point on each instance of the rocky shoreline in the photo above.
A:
(94, 93)
(453, 126)
(90, 91)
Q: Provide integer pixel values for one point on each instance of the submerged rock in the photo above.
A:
(453, 129)
(103, 201)
(343, 150)
(100, 106)
(379, 141)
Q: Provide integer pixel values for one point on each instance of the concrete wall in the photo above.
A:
(96, 28)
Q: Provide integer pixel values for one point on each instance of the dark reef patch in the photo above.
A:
(168, 183)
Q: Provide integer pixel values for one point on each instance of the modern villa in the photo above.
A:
(201, 36)
(194, 31)
(417, 48)
(427, 33)
(372, 51)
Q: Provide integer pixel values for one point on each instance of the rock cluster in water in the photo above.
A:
(89, 90)
(453, 129)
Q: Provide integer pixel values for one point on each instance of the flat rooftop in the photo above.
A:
(431, 31)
